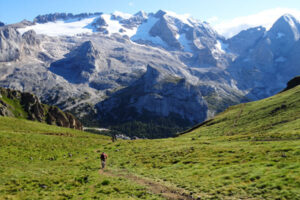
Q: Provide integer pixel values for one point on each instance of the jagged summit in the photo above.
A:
(286, 26)
(142, 14)
(163, 28)
(79, 66)
(62, 16)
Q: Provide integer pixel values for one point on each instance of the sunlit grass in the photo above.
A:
(251, 151)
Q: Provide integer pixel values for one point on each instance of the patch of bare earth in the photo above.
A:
(170, 193)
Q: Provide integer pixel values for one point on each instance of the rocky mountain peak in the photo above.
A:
(10, 44)
(160, 13)
(286, 26)
(141, 14)
(79, 64)
(30, 37)
(9, 33)
(88, 50)
(246, 39)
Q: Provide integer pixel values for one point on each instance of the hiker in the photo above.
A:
(113, 137)
(103, 158)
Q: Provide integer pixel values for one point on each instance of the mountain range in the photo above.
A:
(159, 72)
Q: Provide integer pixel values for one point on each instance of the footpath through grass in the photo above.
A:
(251, 151)
(38, 161)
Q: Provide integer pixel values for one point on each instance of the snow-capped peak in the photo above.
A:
(185, 18)
(286, 25)
(142, 14)
(122, 15)
(164, 28)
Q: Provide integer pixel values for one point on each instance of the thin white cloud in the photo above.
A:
(265, 18)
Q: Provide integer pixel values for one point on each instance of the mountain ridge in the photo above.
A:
(79, 71)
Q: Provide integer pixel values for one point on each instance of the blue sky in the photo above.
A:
(12, 11)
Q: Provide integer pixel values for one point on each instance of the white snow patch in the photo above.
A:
(70, 28)
(280, 35)
(122, 15)
(142, 33)
(221, 46)
(73, 27)
(114, 26)
(233, 84)
(185, 18)
(280, 59)
(185, 43)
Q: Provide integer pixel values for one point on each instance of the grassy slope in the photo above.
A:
(36, 164)
(250, 151)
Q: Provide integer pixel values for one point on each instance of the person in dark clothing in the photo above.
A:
(103, 158)
(114, 137)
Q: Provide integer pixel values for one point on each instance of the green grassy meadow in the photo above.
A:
(250, 151)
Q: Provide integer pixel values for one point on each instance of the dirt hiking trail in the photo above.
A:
(170, 193)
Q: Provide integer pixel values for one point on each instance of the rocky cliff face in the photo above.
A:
(79, 67)
(14, 103)
(13, 45)
(162, 98)
(9, 44)
(157, 96)
(245, 40)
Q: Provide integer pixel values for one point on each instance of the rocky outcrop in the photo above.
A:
(292, 83)
(14, 103)
(57, 117)
(79, 66)
(4, 109)
(10, 41)
(13, 45)
(30, 38)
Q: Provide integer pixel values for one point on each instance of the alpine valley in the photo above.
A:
(149, 74)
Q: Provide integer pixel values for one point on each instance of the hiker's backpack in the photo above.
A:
(102, 156)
